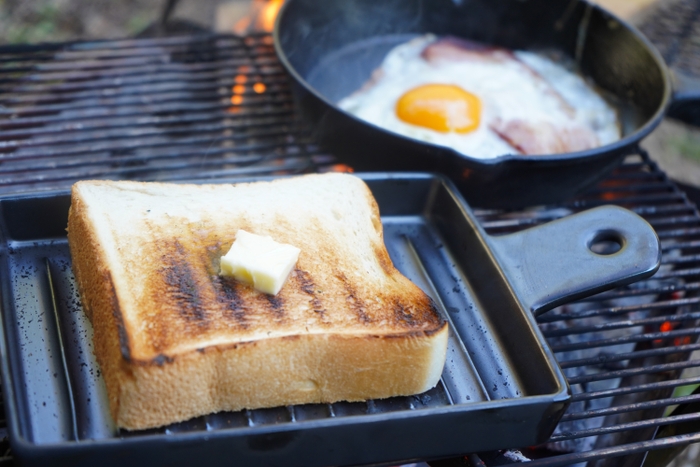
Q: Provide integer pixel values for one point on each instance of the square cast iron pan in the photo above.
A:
(501, 386)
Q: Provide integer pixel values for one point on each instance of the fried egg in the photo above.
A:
(483, 101)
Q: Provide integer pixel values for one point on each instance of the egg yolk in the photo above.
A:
(440, 107)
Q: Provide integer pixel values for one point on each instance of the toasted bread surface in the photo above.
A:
(176, 340)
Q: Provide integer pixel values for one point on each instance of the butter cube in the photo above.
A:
(259, 261)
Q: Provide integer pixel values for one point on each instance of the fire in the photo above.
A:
(269, 14)
(613, 194)
(668, 326)
(261, 17)
(237, 91)
(341, 168)
(239, 88)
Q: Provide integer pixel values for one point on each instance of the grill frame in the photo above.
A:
(646, 189)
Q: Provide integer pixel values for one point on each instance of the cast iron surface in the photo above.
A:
(330, 51)
(529, 261)
(500, 387)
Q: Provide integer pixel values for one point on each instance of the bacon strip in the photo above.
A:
(454, 49)
(540, 138)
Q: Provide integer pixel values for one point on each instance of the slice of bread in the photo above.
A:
(175, 339)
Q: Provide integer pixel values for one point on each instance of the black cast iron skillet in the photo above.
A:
(330, 48)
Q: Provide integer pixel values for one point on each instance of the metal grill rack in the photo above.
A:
(200, 107)
(624, 351)
(218, 107)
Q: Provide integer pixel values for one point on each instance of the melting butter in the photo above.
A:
(259, 261)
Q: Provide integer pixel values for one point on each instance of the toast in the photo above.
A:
(175, 339)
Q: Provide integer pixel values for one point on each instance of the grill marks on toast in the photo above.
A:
(192, 300)
(425, 315)
(176, 298)
(184, 288)
(200, 303)
(356, 304)
(230, 300)
(402, 314)
(276, 304)
(183, 299)
(307, 285)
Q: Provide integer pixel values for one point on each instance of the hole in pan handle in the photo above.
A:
(577, 256)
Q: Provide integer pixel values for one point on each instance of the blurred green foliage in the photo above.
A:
(33, 21)
(39, 25)
(137, 23)
(688, 145)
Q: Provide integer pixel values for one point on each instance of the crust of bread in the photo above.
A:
(175, 340)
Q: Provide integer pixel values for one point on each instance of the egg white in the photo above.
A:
(507, 91)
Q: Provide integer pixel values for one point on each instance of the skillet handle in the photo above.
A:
(553, 263)
(686, 97)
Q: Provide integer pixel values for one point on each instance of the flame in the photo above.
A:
(261, 17)
(269, 14)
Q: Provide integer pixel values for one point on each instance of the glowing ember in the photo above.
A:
(341, 168)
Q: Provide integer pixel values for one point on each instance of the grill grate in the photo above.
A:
(624, 351)
(219, 107)
(152, 109)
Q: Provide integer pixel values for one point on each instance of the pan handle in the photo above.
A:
(686, 97)
(557, 262)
